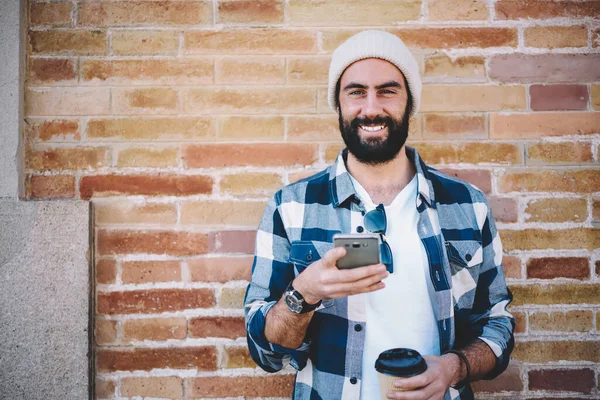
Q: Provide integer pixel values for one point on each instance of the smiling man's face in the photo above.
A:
(373, 101)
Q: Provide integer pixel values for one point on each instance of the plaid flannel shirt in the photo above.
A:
(467, 286)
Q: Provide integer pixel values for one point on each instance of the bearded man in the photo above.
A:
(440, 288)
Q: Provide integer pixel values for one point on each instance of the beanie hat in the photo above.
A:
(375, 44)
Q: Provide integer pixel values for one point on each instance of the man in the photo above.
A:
(443, 292)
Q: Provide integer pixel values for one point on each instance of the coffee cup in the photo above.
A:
(396, 364)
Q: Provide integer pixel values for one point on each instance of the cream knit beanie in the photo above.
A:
(375, 44)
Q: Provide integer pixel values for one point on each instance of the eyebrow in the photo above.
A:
(356, 85)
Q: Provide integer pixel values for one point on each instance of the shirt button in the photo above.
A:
(353, 380)
(468, 257)
(309, 256)
(358, 327)
(359, 229)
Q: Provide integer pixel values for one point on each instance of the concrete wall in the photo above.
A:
(10, 98)
(45, 290)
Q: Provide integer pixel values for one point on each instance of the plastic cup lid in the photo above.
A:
(400, 362)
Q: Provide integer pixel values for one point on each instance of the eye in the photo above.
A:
(355, 93)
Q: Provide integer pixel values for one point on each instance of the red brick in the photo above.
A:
(314, 128)
(552, 37)
(42, 70)
(446, 38)
(543, 9)
(481, 178)
(77, 42)
(54, 14)
(253, 41)
(470, 153)
(221, 269)
(470, 98)
(104, 388)
(596, 38)
(552, 294)
(170, 129)
(232, 242)
(509, 381)
(563, 267)
(148, 71)
(563, 380)
(521, 322)
(67, 158)
(232, 298)
(144, 13)
(50, 187)
(201, 358)
(558, 321)
(241, 155)
(545, 68)
(568, 350)
(154, 329)
(120, 210)
(534, 239)
(564, 152)
(512, 267)
(451, 10)
(218, 213)
(165, 387)
(247, 386)
(578, 181)
(259, 100)
(139, 272)
(67, 101)
(106, 271)
(174, 243)
(218, 327)
(558, 97)
(444, 126)
(536, 125)
(442, 67)
(148, 185)
(249, 70)
(504, 209)
(154, 301)
(238, 357)
(556, 209)
(253, 11)
(105, 332)
(55, 130)
(352, 12)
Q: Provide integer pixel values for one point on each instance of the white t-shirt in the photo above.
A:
(401, 314)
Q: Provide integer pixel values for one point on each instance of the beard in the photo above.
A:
(375, 151)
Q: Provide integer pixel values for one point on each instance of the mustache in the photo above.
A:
(371, 121)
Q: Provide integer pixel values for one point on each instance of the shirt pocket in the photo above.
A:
(305, 252)
(464, 254)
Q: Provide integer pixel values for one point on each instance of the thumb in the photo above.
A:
(332, 256)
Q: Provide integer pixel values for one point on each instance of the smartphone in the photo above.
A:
(361, 250)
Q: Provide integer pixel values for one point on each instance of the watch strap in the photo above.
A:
(306, 307)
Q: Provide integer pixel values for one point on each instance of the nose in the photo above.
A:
(372, 107)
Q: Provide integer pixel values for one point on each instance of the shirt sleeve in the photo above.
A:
(271, 274)
(490, 320)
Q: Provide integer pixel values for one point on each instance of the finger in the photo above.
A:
(418, 381)
(330, 258)
(360, 273)
(374, 287)
(358, 285)
(417, 394)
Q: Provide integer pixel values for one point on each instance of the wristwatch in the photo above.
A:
(295, 301)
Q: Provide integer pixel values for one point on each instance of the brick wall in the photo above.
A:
(178, 119)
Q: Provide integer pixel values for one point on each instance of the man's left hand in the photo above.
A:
(431, 384)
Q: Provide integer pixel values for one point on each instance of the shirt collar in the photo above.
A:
(341, 188)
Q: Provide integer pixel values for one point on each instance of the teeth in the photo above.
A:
(372, 128)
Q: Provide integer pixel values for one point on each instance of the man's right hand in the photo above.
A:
(322, 280)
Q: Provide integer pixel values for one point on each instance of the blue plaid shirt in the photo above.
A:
(468, 290)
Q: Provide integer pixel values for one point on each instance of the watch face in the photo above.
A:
(294, 304)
